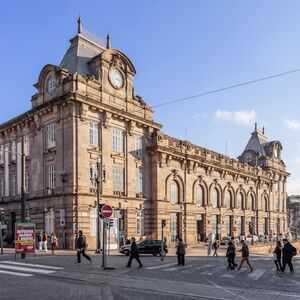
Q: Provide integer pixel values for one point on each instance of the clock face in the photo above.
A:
(116, 78)
(51, 84)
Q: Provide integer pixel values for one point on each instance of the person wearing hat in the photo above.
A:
(288, 251)
(245, 256)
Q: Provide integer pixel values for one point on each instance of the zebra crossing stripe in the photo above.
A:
(30, 270)
(30, 265)
(15, 273)
(160, 266)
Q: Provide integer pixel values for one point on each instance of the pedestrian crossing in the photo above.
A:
(26, 269)
(210, 270)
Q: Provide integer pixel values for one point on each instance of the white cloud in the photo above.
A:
(292, 124)
(198, 115)
(293, 187)
(241, 117)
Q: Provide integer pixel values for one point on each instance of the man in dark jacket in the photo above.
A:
(288, 251)
(230, 254)
(180, 251)
(245, 256)
(81, 246)
(134, 253)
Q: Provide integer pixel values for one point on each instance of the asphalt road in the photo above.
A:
(58, 277)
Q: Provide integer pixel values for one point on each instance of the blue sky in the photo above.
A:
(179, 49)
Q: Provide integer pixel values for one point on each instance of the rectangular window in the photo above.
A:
(174, 226)
(51, 177)
(13, 150)
(139, 146)
(139, 181)
(118, 179)
(118, 140)
(26, 145)
(50, 136)
(140, 223)
(93, 222)
(94, 134)
(13, 185)
(27, 189)
(1, 186)
(1, 154)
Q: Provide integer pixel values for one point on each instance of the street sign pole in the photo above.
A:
(1, 236)
(103, 243)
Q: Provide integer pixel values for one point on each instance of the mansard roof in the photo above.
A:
(82, 49)
(257, 142)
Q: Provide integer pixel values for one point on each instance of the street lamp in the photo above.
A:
(1, 235)
(96, 178)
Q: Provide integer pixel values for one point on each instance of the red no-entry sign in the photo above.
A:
(106, 211)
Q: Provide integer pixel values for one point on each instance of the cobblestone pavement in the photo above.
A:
(202, 277)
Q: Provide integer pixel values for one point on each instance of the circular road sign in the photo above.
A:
(106, 211)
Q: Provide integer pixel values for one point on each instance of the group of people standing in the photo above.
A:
(42, 241)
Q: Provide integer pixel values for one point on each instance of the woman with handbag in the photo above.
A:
(53, 242)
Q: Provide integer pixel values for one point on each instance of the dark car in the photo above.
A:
(147, 247)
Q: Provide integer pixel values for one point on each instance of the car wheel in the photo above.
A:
(126, 253)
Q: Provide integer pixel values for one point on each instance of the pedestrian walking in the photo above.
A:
(134, 253)
(215, 247)
(53, 242)
(39, 238)
(277, 256)
(81, 246)
(288, 251)
(45, 241)
(230, 254)
(245, 256)
(180, 251)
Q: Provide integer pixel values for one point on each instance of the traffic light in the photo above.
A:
(163, 223)
(99, 210)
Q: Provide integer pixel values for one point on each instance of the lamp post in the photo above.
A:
(1, 235)
(96, 177)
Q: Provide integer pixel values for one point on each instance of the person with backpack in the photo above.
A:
(230, 254)
(81, 246)
(288, 251)
(134, 253)
(245, 256)
(277, 256)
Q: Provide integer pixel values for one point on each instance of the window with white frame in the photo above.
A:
(139, 146)
(199, 196)
(140, 223)
(51, 177)
(94, 134)
(13, 184)
(239, 203)
(118, 140)
(50, 136)
(1, 186)
(27, 182)
(139, 181)
(93, 222)
(118, 179)
(174, 192)
(93, 175)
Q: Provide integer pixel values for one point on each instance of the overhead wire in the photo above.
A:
(226, 88)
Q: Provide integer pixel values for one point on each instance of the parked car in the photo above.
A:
(147, 247)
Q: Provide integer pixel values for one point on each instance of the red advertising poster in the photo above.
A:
(25, 238)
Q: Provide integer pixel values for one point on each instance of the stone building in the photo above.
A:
(86, 125)
(293, 212)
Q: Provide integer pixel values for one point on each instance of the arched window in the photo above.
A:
(251, 203)
(199, 196)
(173, 192)
(265, 204)
(239, 202)
(228, 199)
(214, 197)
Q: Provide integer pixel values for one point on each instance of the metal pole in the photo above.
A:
(23, 204)
(103, 244)
(162, 241)
(98, 248)
(1, 235)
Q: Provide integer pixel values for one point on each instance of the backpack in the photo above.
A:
(294, 251)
